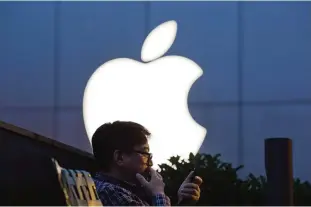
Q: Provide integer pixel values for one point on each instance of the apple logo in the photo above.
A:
(153, 93)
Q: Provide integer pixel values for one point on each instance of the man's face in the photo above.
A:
(139, 160)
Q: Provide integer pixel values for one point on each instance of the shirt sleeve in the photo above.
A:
(161, 200)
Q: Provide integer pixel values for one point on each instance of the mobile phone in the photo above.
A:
(195, 173)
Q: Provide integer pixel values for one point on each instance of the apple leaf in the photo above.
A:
(159, 41)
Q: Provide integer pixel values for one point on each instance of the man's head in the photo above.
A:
(122, 146)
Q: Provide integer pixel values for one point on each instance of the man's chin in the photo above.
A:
(146, 173)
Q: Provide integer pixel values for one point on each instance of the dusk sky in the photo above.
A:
(256, 58)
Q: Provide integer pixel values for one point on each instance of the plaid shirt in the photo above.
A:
(113, 192)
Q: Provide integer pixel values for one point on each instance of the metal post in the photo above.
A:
(279, 171)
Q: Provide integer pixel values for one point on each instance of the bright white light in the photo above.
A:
(153, 94)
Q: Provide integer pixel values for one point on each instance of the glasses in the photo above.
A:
(146, 154)
(149, 155)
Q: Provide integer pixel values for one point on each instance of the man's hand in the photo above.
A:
(190, 189)
(156, 184)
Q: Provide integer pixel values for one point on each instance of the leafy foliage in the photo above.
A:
(221, 185)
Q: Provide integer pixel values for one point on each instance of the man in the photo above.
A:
(126, 178)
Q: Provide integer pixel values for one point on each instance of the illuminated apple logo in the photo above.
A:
(154, 94)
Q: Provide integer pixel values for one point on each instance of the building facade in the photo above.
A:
(255, 57)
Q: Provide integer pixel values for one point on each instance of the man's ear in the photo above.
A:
(118, 157)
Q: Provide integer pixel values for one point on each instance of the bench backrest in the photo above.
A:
(78, 186)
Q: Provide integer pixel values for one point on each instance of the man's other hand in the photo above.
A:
(190, 188)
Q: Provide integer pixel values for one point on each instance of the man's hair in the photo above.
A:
(119, 135)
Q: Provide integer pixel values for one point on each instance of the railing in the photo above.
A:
(17, 142)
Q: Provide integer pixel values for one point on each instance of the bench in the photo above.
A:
(78, 186)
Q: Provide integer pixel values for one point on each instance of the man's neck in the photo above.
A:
(117, 175)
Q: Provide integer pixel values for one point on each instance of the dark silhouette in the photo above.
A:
(126, 177)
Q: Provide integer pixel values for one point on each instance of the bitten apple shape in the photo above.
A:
(153, 93)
